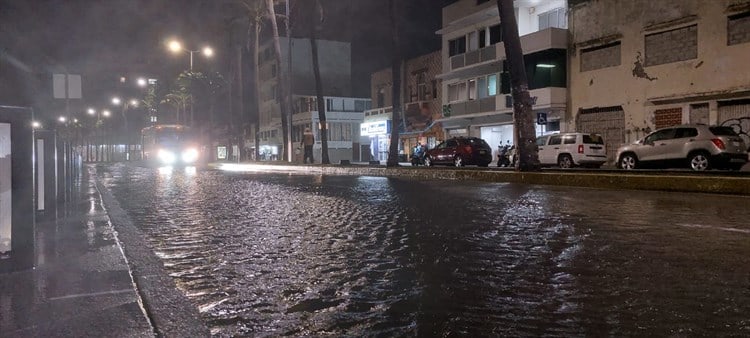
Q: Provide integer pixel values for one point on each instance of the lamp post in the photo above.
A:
(128, 104)
(176, 47)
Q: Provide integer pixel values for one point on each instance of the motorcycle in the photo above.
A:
(418, 155)
(506, 156)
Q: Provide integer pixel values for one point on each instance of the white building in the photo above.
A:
(342, 110)
(475, 82)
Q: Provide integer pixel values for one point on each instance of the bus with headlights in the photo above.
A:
(170, 145)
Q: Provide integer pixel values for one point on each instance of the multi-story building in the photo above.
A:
(475, 80)
(637, 65)
(421, 107)
(343, 111)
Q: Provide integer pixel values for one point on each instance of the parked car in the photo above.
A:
(460, 151)
(568, 150)
(696, 146)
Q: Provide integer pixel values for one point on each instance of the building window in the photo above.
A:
(738, 29)
(671, 46)
(421, 87)
(492, 85)
(273, 70)
(482, 87)
(495, 34)
(472, 93)
(452, 92)
(601, 57)
(546, 69)
(434, 89)
(473, 41)
(462, 91)
(556, 18)
(457, 46)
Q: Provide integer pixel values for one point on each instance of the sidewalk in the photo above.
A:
(84, 284)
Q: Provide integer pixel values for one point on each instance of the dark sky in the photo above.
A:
(105, 39)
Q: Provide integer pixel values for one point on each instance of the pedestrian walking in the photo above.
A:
(308, 140)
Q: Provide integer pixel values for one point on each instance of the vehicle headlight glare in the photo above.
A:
(166, 156)
(190, 155)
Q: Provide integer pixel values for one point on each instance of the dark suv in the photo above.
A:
(460, 151)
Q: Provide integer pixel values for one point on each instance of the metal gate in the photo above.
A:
(608, 122)
(737, 115)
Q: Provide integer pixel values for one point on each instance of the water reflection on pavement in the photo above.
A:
(278, 254)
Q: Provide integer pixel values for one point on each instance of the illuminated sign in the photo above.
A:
(375, 128)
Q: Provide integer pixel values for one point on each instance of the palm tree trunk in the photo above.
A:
(523, 119)
(282, 85)
(396, 80)
(318, 83)
(253, 41)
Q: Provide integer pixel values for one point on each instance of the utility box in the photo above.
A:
(16, 189)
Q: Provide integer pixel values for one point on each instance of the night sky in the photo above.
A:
(106, 39)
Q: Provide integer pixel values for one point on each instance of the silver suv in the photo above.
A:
(568, 150)
(696, 146)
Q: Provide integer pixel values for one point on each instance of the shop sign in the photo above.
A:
(375, 128)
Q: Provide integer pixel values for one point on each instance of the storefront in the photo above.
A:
(377, 134)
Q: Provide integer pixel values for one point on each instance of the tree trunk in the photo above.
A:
(396, 80)
(282, 84)
(253, 47)
(318, 83)
(523, 119)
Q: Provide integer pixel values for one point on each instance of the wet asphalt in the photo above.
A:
(270, 254)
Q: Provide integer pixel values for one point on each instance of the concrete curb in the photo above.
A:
(606, 180)
(170, 311)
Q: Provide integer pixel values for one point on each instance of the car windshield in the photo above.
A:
(592, 139)
(723, 131)
(477, 142)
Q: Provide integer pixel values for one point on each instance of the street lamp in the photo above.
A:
(176, 47)
(91, 111)
(141, 82)
(62, 119)
(116, 101)
(106, 113)
(36, 124)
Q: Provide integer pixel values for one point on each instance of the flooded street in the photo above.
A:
(293, 255)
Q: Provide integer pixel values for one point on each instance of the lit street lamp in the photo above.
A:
(62, 119)
(176, 47)
(141, 82)
(106, 113)
(116, 101)
(91, 111)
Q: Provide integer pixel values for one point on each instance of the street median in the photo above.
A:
(674, 182)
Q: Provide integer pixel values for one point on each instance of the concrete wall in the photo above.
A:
(656, 69)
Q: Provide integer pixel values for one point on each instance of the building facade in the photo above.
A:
(475, 79)
(421, 108)
(342, 110)
(639, 65)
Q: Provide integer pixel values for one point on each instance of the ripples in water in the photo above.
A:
(273, 254)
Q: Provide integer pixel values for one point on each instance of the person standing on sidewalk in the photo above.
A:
(308, 140)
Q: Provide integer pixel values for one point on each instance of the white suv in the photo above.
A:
(568, 150)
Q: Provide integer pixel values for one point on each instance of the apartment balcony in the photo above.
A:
(542, 98)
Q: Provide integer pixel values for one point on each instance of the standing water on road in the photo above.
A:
(294, 255)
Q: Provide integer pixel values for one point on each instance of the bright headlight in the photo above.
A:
(166, 156)
(190, 155)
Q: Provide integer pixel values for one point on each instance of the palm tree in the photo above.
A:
(523, 119)
(314, 27)
(284, 95)
(255, 19)
(396, 89)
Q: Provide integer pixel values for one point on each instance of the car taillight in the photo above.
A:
(467, 149)
(580, 148)
(719, 143)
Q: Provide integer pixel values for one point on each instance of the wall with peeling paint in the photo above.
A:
(719, 72)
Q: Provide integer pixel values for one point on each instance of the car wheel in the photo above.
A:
(628, 162)
(428, 161)
(484, 165)
(699, 161)
(565, 161)
(458, 161)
